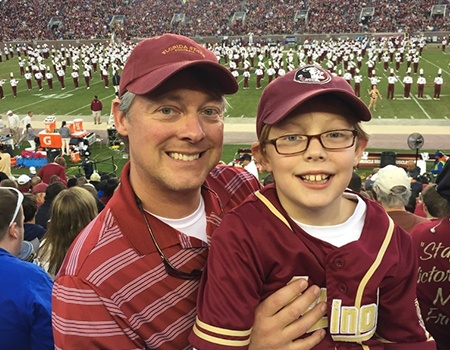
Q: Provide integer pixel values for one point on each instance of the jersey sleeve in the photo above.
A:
(229, 291)
(82, 319)
(400, 324)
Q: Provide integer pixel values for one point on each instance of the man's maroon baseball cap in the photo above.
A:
(155, 60)
(290, 91)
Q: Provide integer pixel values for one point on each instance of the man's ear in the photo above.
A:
(120, 119)
(13, 231)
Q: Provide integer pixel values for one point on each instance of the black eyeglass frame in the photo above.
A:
(309, 138)
(171, 270)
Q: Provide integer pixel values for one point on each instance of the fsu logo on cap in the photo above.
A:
(312, 75)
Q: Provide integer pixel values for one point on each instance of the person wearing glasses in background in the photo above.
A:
(130, 279)
(25, 293)
(307, 225)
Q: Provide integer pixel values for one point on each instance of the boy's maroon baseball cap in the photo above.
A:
(290, 91)
(155, 60)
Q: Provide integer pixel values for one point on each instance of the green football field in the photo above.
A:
(75, 102)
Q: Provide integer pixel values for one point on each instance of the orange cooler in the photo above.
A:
(50, 140)
(71, 127)
(78, 125)
(75, 157)
(50, 124)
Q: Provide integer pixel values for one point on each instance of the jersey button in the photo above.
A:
(342, 288)
(339, 263)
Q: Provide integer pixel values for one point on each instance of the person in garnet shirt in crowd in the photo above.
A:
(58, 167)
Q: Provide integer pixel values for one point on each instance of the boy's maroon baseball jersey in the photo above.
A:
(368, 284)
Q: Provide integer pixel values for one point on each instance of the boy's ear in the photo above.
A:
(360, 147)
(260, 156)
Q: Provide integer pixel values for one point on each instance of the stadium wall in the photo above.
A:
(431, 38)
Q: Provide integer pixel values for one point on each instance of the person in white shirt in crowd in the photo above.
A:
(247, 162)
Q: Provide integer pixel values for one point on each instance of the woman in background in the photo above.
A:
(31, 136)
(72, 210)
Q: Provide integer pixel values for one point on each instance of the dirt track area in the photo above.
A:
(384, 133)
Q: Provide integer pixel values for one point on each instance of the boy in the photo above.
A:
(307, 225)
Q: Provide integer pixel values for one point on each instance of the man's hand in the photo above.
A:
(278, 323)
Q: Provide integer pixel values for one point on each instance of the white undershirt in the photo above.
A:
(193, 225)
(348, 231)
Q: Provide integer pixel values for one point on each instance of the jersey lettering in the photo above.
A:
(347, 323)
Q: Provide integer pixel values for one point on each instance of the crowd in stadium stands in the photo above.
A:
(76, 19)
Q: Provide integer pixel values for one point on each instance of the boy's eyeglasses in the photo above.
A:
(298, 143)
(170, 269)
(18, 204)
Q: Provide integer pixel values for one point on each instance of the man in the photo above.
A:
(248, 164)
(126, 285)
(25, 295)
(57, 167)
(96, 109)
(412, 170)
(14, 124)
(439, 161)
(393, 191)
(24, 182)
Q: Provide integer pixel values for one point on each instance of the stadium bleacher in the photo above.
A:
(76, 19)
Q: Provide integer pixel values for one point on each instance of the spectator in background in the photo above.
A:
(64, 131)
(90, 187)
(96, 108)
(57, 167)
(43, 213)
(5, 161)
(432, 240)
(39, 191)
(24, 182)
(25, 293)
(95, 180)
(32, 232)
(106, 189)
(246, 161)
(392, 188)
(412, 170)
(72, 210)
